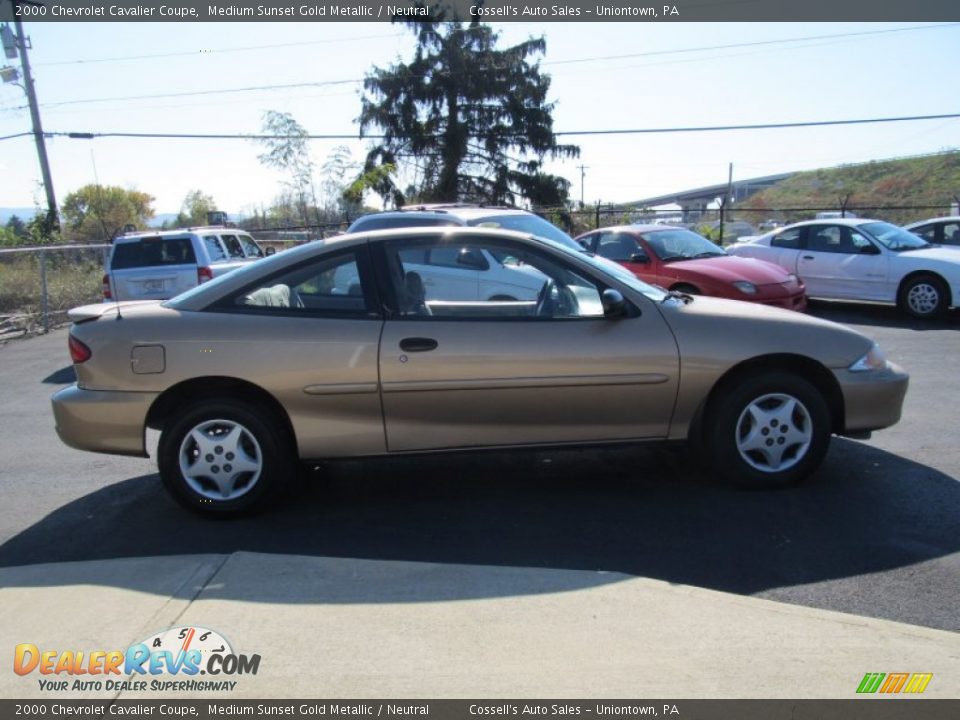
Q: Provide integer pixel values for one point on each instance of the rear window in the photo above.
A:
(148, 252)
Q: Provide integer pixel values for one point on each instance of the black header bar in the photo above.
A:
(537, 11)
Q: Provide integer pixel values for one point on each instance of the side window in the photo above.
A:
(857, 241)
(214, 248)
(951, 234)
(520, 282)
(233, 245)
(616, 246)
(250, 248)
(789, 239)
(927, 232)
(827, 238)
(328, 285)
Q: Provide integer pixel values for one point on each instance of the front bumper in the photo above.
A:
(872, 400)
(102, 421)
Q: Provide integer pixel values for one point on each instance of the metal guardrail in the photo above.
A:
(42, 252)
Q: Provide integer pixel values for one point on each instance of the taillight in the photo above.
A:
(107, 295)
(79, 352)
(204, 274)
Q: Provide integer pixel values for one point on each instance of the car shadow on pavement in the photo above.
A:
(639, 511)
(63, 376)
(878, 315)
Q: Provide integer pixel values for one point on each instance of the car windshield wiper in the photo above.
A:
(676, 295)
(710, 253)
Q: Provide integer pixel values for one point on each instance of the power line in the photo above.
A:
(217, 50)
(356, 136)
(755, 43)
(322, 83)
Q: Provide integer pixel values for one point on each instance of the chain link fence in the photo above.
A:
(39, 284)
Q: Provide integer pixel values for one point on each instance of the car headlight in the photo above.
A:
(745, 287)
(873, 360)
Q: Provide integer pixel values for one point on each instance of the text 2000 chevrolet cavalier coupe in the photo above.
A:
(354, 348)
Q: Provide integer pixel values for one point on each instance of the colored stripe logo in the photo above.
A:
(893, 683)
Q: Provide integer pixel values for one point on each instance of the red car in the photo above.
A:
(678, 259)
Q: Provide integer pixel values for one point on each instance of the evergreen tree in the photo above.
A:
(472, 119)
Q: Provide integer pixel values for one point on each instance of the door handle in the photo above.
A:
(808, 257)
(418, 344)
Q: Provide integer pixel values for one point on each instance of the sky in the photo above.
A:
(92, 77)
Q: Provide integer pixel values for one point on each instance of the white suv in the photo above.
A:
(156, 265)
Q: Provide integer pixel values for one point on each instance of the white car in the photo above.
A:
(941, 231)
(859, 259)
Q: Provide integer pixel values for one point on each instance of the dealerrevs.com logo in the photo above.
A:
(168, 661)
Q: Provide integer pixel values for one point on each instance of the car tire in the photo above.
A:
(924, 296)
(224, 458)
(771, 430)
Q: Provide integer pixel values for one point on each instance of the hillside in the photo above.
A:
(884, 186)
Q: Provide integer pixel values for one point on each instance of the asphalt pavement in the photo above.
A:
(555, 573)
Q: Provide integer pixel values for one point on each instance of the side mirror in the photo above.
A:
(869, 250)
(639, 257)
(614, 305)
(270, 251)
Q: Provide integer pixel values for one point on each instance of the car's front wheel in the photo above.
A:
(770, 430)
(924, 296)
(223, 457)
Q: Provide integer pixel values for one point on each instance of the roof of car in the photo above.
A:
(948, 218)
(174, 232)
(461, 211)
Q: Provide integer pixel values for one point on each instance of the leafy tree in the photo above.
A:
(287, 150)
(473, 119)
(195, 207)
(17, 227)
(95, 213)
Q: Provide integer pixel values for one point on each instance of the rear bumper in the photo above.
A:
(872, 400)
(102, 421)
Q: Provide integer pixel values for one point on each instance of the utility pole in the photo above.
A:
(726, 199)
(583, 172)
(53, 218)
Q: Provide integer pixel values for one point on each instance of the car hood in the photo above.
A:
(941, 252)
(738, 330)
(730, 268)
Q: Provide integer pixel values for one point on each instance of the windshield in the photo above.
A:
(895, 238)
(678, 244)
(609, 267)
(533, 224)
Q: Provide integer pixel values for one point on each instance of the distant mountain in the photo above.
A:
(23, 213)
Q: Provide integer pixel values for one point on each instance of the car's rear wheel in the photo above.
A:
(924, 296)
(770, 430)
(223, 457)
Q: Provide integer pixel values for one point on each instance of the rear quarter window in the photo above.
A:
(150, 252)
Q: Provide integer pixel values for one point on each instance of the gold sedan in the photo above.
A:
(437, 339)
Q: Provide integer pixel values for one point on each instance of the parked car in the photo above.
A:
(462, 214)
(859, 259)
(156, 265)
(278, 362)
(939, 231)
(681, 260)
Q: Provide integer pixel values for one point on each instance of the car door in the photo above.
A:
(838, 261)
(459, 374)
(309, 335)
